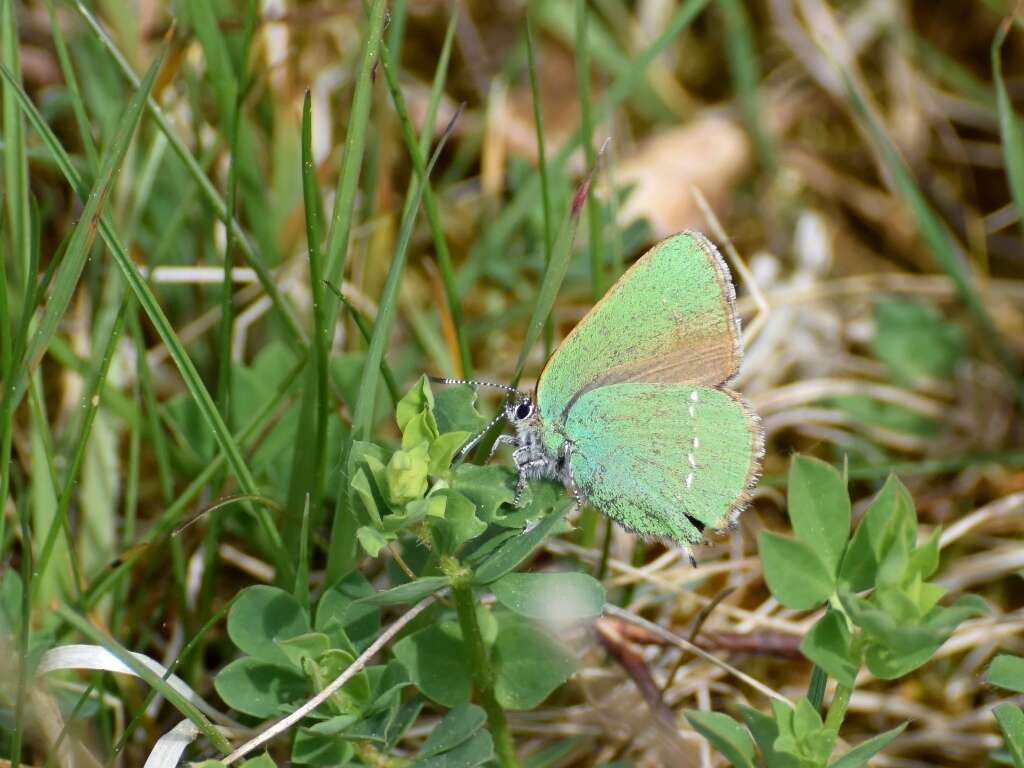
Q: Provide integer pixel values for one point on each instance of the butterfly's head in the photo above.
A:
(520, 410)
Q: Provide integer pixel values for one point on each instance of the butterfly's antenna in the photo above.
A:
(477, 438)
(474, 383)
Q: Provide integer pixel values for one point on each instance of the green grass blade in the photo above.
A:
(147, 300)
(16, 190)
(553, 277)
(355, 144)
(151, 412)
(506, 223)
(562, 19)
(70, 269)
(417, 149)
(367, 333)
(90, 406)
(55, 582)
(1009, 125)
(388, 306)
(742, 56)
(151, 679)
(444, 259)
(931, 229)
(314, 234)
(595, 244)
(25, 628)
(74, 92)
(542, 169)
(209, 191)
(221, 71)
(946, 68)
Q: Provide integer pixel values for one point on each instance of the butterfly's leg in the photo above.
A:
(565, 455)
(689, 553)
(520, 487)
(502, 440)
(528, 467)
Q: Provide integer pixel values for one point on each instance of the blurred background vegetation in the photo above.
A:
(863, 158)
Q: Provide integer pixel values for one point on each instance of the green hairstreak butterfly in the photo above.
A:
(633, 412)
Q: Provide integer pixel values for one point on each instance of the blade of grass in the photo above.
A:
(221, 72)
(151, 412)
(44, 489)
(1009, 125)
(16, 190)
(444, 259)
(742, 56)
(355, 143)
(70, 269)
(362, 414)
(16, 206)
(155, 681)
(24, 624)
(595, 244)
(542, 169)
(309, 459)
(209, 191)
(341, 552)
(506, 223)
(151, 306)
(90, 406)
(931, 229)
(396, 28)
(336, 247)
(553, 277)
(417, 149)
(561, 20)
(314, 234)
(367, 333)
(170, 518)
(946, 68)
(74, 93)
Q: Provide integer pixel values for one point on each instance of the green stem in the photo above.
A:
(837, 710)
(483, 672)
(816, 688)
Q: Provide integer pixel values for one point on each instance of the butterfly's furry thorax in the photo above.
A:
(538, 449)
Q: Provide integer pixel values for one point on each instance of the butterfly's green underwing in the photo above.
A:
(633, 411)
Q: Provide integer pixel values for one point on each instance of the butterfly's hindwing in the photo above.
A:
(664, 460)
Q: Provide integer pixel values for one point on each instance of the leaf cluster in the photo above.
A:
(455, 524)
(881, 612)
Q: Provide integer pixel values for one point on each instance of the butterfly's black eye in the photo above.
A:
(523, 410)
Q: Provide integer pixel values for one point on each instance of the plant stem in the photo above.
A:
(816, 688)
(837, 710)
(483, 672)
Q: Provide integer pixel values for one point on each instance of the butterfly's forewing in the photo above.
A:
(670, 318)
(665, 459)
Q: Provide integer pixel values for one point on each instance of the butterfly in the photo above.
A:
(633, 412)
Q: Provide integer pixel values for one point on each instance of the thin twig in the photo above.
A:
(686, 645)
(756, 293)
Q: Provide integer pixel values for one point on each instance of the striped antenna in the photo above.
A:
(461, 454)
(465, 449)
(474, 383)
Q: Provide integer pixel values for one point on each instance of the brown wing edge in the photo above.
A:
(725, 282)
(753, 471)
